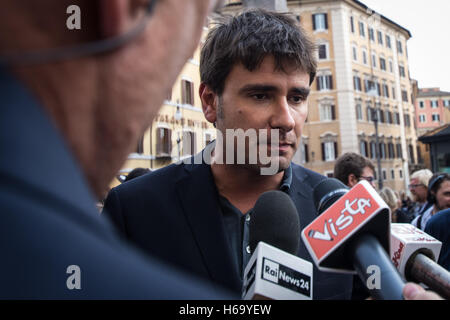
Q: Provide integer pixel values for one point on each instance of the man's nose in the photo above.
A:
(281, 116)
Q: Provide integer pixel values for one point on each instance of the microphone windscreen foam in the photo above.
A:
(275, 221)
(327, 192)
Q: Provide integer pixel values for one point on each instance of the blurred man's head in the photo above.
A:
(256, 70)
(419, 184)
(103, 102)
(350, 168)
(439, 191)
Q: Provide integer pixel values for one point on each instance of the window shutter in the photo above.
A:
(158, 141)
(318, 82)
(323, 151)
(169, 144)
(335, 150)
(314, 21)
(333, 113)
(306, 153)
(191, 98)
(326, 20)
(183, 91)
(365, 148)
(330, 80)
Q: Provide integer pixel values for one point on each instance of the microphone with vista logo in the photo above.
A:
(351, 235)
(414, 253)
(274, 271)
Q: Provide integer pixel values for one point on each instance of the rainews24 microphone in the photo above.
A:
(414, 253)
(274, 271)
(352, 235)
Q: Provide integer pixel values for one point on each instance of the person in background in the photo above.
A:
(438, 198)
(136, 172)
(418, 186)
(350, 168)
(391, 199)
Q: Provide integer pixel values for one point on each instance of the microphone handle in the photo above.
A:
(365, 252)
(423, 269)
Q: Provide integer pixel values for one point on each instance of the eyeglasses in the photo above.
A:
(413, 186)
(370, 179)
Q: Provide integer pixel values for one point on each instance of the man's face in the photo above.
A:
(266, 99)
(418, 190)
(368, 175)
(443, 196)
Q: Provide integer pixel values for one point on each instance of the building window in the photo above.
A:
(329, 151)
(391, 66)
(380, 37)
(411, 154)
(446, 103)
(392, 174)
(422, 118)
(373, 148)
(400, 173)
(374, 60)
(397, 118)
(163, 142)
(189, 143)
(391, 152)
(362, 32)
(384, 174)
(401, 70)
(304, 153)
(393, 93)
(359, 115)
(435, 117)
(320, 22)
(434, 103)
(388, 41)
(399, 47)
(327, 113)
(323, 51)
(187, 92)
(355, 53)
(385, 90)
(352, 25)
(324, 82)
(404, 96)
(398, 146)
(421, 105)
(371, 35)
(364, 55)
(369, 112)
(363, 148)
(357, 83)
(382, 64)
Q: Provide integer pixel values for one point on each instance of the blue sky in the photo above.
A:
(429, 48)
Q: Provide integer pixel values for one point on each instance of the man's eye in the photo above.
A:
(297, 99)
(259, 96)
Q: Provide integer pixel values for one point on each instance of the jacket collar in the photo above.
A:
(199, 198)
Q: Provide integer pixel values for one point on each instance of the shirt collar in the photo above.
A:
(287, 179)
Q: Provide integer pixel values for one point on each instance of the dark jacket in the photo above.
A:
(173, 213)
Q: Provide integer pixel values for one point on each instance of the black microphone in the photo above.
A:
(274, 271)
(352, 234)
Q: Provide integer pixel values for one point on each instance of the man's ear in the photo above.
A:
(116, 16)
(209, 101)
(352, 181)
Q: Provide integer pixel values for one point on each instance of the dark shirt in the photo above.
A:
(237, 226)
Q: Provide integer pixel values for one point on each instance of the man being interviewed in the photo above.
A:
(256, 71)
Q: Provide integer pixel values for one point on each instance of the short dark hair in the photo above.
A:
(351, 163)
(248, 38)
(136, 172)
